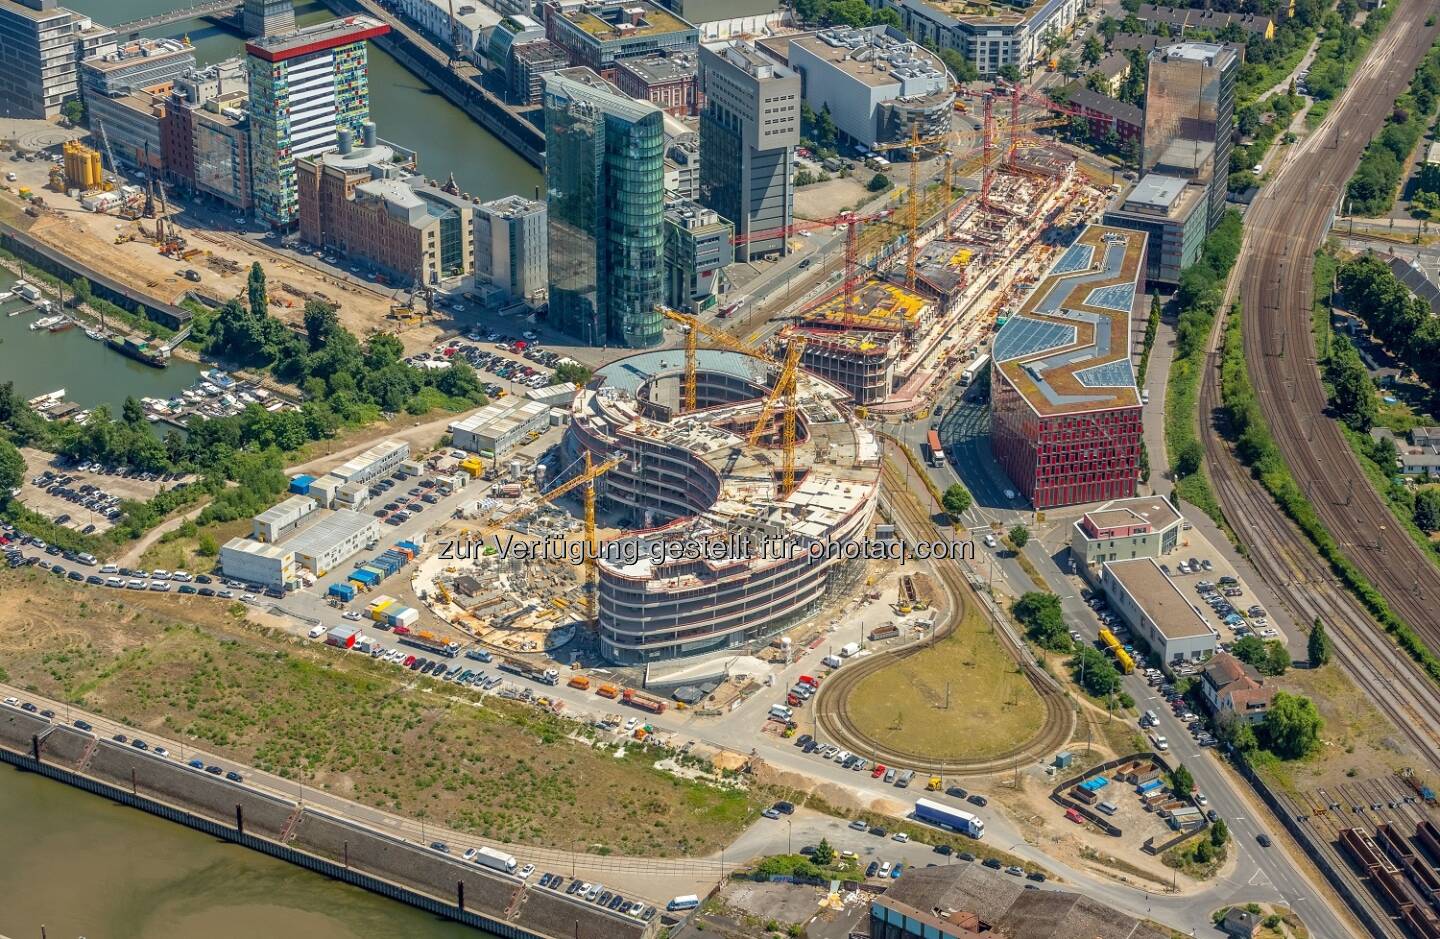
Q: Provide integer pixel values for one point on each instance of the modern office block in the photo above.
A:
(605, 177)
(1173, 212)
(749, 129)
(267, 17)
(41, 45)
(1189, 117)
(305, 86)
(510, 246)
(697, 249)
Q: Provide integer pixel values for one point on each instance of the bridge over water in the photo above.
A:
(219, 9)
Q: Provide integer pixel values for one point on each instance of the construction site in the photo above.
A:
(924, 285)
(142, 237)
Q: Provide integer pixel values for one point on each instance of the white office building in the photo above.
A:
(378, 461)
(500, 427)
(333, 539)
(268, 566)
(280, 520)
(1159, 615)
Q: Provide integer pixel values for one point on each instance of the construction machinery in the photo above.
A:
(586, 478)
(693, 330)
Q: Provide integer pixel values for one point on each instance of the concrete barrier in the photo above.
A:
(437, 883)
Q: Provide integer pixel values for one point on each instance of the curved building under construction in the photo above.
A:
(718, 556)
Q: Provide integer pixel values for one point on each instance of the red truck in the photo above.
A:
(643, 701)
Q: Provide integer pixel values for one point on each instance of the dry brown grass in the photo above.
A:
(193, 669)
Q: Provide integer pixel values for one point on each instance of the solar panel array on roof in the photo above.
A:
(1116, 374)
(1114, 297)
(1022, 336)
(1077, 257)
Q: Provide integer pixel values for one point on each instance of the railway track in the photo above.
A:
(832, 705)
(1283, 229)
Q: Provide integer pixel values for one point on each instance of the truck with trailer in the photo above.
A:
(440, 645)
(643, 701)
(943, 816)
(545, 676)
(496, 860)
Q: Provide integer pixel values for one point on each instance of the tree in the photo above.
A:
(73, 111)
(12, 469)
(573, 372)
(824, 854)
(964, 70)
(1068, 64)
(847, 13)
(132, 413)
(878, 183)
(1352, 391)
(1093, 51)
(1010, 72)
(1318, 646)
(80, 287)
(208, 548)
(886, 17)
(1189, 460)
(1277, 658)
(1181, 781)
(255, 289)
(1427, 509)
(956, 500)
(1019, 536)
(320, 322)
(1291, 728)
(1219, 833)
(1040, 614)
(1250, 650)
(1237, 732)
(1095, 672)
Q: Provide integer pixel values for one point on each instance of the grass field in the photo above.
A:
(991, 705)
(195, 670)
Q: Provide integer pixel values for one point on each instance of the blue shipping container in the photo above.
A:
(365, 576)
(415, 548)
(380, 574)
(1150, 786)
(343, 591)
(300, 485)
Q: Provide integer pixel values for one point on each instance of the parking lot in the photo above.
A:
(498, 357)
(86, 496)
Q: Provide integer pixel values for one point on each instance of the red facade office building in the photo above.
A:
(1066, 412)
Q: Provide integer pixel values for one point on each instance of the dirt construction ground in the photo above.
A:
(223, 262)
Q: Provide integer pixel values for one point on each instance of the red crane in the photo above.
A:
(852, 222)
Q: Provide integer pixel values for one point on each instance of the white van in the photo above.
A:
(316, 632)
(779, 712)
(831, 661)
(687, 902)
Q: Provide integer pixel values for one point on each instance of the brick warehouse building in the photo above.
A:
(1065, 409)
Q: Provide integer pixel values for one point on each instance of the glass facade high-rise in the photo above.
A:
(605, 178)
(1189, 117)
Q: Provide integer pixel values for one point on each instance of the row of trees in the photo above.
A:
(1395, 316)
(1373, 187)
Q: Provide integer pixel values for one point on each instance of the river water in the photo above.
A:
(90, 372)
(82, 866)
(404, 108)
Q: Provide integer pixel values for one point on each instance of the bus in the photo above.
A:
(974, 370)
(937, 452)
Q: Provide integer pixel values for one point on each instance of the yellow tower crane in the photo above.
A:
(786, 385)
(693, 330)
(912, 206)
